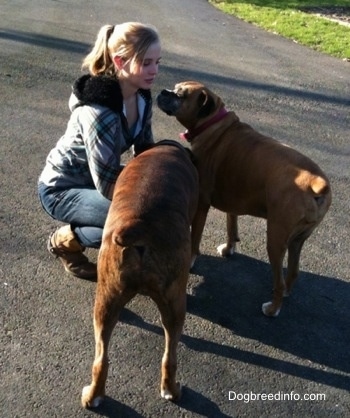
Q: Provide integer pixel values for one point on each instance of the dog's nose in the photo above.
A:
(166, 92)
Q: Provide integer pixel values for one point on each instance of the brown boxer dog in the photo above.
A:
(242, 172)
(146, 249)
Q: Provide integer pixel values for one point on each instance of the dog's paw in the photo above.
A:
(269, 310)
(171, 396)
(225, 251)
(87, 399)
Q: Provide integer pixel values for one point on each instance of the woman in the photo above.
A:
(111, 112)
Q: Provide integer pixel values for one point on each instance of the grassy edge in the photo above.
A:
(315, 32)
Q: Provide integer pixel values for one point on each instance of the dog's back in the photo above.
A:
(148, 224)
(250, 166)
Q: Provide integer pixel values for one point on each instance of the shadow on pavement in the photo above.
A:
(182, 74)
(314, 321)
(190, 400)
(45, 41)
(312, 325)
(114, 409)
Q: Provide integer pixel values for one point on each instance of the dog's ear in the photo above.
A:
(206, 104)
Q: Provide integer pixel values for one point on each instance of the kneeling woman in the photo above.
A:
(111, 112)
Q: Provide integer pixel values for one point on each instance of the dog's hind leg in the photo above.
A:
(276, 248)
(106, 313)
(294, 250)
(232, 236)
(173, 313)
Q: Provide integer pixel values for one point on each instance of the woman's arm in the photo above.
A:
(102, 136)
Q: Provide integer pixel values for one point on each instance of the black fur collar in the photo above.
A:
(102, 90)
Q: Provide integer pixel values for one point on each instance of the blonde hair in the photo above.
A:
(129, 41)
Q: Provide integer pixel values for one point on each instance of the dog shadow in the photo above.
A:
(190, 400)
(314, 322)
(114, 409)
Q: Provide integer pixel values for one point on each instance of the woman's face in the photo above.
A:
(142, 75)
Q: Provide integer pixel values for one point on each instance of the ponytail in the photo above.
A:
(129, 41)
(98, 61)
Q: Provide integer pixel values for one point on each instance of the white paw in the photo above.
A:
(167, 395)
(266, 308)
(225, 251)
(85, 398)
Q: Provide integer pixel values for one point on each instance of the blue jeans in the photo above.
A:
(84, 209)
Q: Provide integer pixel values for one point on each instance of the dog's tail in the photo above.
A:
(131, 237)
(321, 198)
(317, 194)
(131, 253)
(314, 184)
(321, 189)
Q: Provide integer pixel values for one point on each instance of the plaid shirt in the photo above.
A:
(88, 154)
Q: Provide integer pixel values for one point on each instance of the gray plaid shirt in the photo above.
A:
(88, 154)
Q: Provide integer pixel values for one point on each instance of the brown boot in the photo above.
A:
(63, 244)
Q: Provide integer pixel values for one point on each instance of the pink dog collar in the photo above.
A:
(189, 135)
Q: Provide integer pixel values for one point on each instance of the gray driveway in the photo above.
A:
(230, 355)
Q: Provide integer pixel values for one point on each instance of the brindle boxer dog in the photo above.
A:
(242, 172)
(146, 249)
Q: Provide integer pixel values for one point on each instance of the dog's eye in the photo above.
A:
(180, 93)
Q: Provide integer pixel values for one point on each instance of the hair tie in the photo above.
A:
(109, 33)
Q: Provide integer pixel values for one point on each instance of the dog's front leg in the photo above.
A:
(232, 236)
(197, 229)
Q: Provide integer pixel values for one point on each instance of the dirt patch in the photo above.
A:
(335, 13)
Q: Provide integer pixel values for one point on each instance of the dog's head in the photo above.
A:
(190, 102)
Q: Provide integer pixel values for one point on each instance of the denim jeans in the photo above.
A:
(84, 209)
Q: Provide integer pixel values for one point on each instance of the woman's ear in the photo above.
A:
(118, 62)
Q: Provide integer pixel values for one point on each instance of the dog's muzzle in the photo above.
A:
(168, 102)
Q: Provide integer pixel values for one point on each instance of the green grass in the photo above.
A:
(285, 18)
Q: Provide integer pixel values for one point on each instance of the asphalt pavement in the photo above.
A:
(232, 361)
